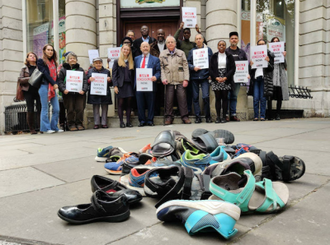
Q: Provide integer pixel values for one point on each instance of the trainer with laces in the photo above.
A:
(116, 167)
(196, 162)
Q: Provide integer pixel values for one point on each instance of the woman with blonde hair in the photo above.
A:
(123, 82)
(30, 93)
(48, 66)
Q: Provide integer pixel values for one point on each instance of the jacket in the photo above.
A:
(99, 99)
(24, 77)
(174, 67)
(268, 77)
(137, 44)
(230, 68)
(153, 63)
(118, 75)
(201, 74)
(46, 78)
(62, 74)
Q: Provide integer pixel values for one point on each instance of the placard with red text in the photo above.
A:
(74, 81)
(143, 79)
(242, 71)
(99, 85)
(189, 17)
(277, 49)
(258, 55)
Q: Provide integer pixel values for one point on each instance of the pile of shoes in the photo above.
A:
(205, 182)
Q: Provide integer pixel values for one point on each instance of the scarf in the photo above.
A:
(52, 72)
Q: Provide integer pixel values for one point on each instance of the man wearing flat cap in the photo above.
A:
(238, 55)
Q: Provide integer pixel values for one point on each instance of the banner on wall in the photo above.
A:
(40, 38)
(148, 3)
(275, 29)
(62, 38)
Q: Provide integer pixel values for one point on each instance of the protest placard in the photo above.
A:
(277, 49)
(93, 53)
(113, 54)
(201, 58)
(143, 79)
(74, 81)
(189, 17)
(99, 85)
(242, 71)
(258, 55)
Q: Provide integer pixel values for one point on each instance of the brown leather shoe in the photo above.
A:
(234, 118)
(73, 128)
(186, 121)
(227, 119)
(168, 122)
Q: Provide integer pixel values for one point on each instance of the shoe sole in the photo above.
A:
(101, 159)
(125, 181)
(113, 218)
(210, 206)
(118, 172)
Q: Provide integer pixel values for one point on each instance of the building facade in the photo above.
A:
(82, 25)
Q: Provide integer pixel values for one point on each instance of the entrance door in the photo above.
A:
(169, 26)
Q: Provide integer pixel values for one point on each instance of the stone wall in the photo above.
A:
(11, 52)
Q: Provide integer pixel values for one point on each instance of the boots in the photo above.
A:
(30, 121)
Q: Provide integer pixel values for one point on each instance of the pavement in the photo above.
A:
(41, 173)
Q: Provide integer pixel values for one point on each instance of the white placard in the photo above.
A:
(93, 53)
(74, 81)
(277, 49)
(242, 71)
(189, 17)
(143, 79)
(99, 85)
(258, 55)
(113, 54)
(201, 58)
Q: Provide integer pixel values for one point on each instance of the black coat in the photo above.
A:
(230, 68)
(268, 77)
(62, 74)
(137, 45)
(99, 99)
(118, 75)
(46, 78)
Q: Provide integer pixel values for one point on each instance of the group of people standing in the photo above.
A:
(173, 74)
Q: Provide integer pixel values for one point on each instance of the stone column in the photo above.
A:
(80, 28)
(11, 53)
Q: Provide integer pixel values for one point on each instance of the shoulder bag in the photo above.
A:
(36, 78)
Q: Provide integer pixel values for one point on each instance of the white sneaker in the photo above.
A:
(50, 131)
(59, 131)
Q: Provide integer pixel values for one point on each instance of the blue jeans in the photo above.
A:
(258, 98)
(232, 99)
(44, 120)
(205, 95)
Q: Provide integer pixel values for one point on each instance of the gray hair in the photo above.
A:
(170, 37)
(71, 54)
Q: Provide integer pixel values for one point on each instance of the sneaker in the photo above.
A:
(59, 131)
(219, 154)
(202, 215)
(196, 162)
(115, 154)
(103, 154)
(145, 148)
(116, 167)
(135, 179)
(50, 131)
(162, 162)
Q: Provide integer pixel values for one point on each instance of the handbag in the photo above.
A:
(19, 92)
(36, 78)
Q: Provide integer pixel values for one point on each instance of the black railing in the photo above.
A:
(300, 92)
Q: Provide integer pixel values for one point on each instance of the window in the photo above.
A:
(39, 14)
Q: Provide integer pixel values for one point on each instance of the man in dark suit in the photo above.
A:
(145, 38)
(147, 99)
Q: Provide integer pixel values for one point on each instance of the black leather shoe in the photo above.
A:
(129, 125)
(198, 120)
(222, 120)
(107, 185)
(150, 124)
(142, 124)
(217, 120)
(122, 125)
(208, 120)
(103, 207)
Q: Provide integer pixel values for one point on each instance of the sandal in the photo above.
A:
(206, 143)
(164, 144)
(261, 197)
(286, 168)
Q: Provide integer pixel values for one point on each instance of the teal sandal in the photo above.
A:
(262, 197)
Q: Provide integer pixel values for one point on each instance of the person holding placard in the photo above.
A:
(98, 100)
(74, 102)
(222, 70)
(146, 99)
(198, 61)
(48, 66)
(174, 76)
(239, 55)
(261, 85)
(123, 82)
(280, 81)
